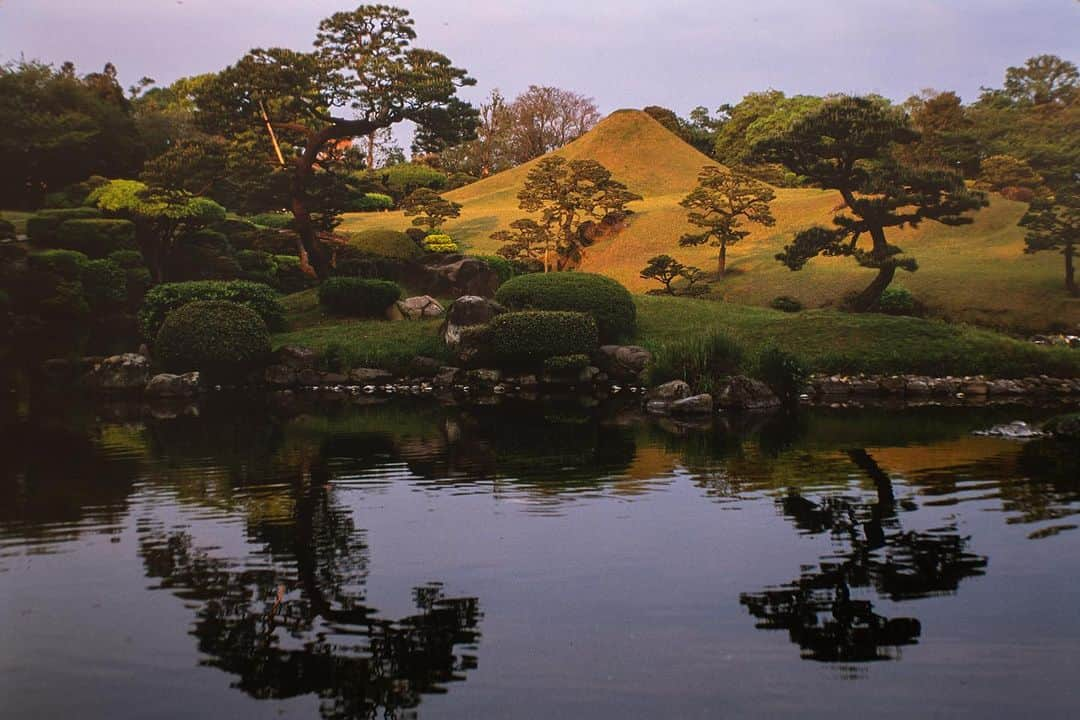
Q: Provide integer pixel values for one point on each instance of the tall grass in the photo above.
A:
(703, 361)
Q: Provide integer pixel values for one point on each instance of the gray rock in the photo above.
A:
(280, 375)
(669, 392)
(693, 405)
(168, 385)
(420, 307)
(623, 363)
(296, 357)
(369, 376)
(467, 311)
(446, 376)
(484, 376)
(126, 372)
(465, 276)
(743, 393)
(1018, 430)
(894, 384)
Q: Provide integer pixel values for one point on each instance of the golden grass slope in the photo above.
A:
(975, 273)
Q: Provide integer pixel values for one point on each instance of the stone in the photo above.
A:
(834, 386)
(446, 376)
(464, 276)
(484, 376)
(743, 393)
(894, 384)
(296, 357)
(1018, 430)
(588, 374)
(669, 392)
(917, 386)
(169, 385)
(975, 387)
(694, 405)
(467, 311)
(424, 367)
(420, 307)
(125, 372)
(864, 386)
(280, 375)
(623, 363)
(369, 376)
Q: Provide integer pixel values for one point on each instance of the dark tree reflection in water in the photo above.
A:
(299, 624)
(818, 610)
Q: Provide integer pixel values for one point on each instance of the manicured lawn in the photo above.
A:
(825, 340)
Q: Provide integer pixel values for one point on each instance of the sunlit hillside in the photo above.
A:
(976, 273)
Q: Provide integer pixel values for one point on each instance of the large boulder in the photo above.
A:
(127, 372)
(297, 357)
(420, 307)
(467, 311)
(743, 393)
(659, 400)
(463, 276)
(169, 385)
(623, 363)
(693, 405)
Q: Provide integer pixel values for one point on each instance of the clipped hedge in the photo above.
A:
(163, 299)
(358, 296)
(277, 221)
(104, 283)
(533, 336)
(386, 243)
(604, 299)
(41, 228)
(223, 340)
(439, 243)
(370, 202)
(68, 264)
(7, 229)
(96, 237)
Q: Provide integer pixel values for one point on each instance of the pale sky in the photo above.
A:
(623, 53)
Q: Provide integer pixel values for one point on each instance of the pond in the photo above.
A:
(541, 560)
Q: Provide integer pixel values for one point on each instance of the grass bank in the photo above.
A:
(824, 340)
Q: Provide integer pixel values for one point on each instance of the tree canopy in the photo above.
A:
(720, 204)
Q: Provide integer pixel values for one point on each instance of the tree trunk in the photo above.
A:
(1070, 279)
(722, 263)
(869, 297)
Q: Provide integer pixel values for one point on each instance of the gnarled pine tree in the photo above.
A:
(1052, 224)
(363, 62)
(846, 145)
(722, 200)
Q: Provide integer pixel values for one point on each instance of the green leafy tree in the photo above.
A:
(363, 62)
(846, 145)
(999, 172)
(1054, 224)
(567, 194)
(160, 217)
(1043, 79)
(947, 138)
(430, 208)
(758, 117)
(722, 201)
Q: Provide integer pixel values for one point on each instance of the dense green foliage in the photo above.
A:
(278, 221)
(428, 209)
(898, 301)
(96, 237)
(41, 228)
(530, 337)
(439, 243)
(222, 340)
(387, 243)
(702, 361)
(358, 297)
(782, 372)
(370, 202)
(786, 303)
(163, 299)
(566, 364)
(604, 299)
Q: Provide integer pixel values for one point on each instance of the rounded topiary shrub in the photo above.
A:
(898, 301)
(96, 237)
(387, 243)
(786, 303)
(440, 243)
(278, 221)
(224, 341)
(608, 302)
(163, 299)
(41, 228)
(531, 337)
(370, 202)
(358, 296)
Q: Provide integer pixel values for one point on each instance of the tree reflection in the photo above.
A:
(819, 611)
(293, 620)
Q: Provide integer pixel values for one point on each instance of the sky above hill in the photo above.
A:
(623, 53)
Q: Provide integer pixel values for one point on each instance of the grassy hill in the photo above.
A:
(975, 273)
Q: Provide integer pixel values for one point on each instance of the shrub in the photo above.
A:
(127, 259)
(782, 372)
(898, 301)
(277, 221)
(41, 228)
(68, 264)
(164, 298)
(786, 303)
(403, 178)
(7, 229)
(504, 268)
(530, 337)
(370, 202)
(222, 340)
(387, 243)
(105, 283)
(566, 364)
(609, 303)
(439, 243)
(257, 266)
(701, 361)
(96, 237)
(358, 296)
(290, 275)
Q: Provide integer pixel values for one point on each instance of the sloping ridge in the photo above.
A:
(640, 152)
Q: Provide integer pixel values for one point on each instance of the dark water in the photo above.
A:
(411, 561)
